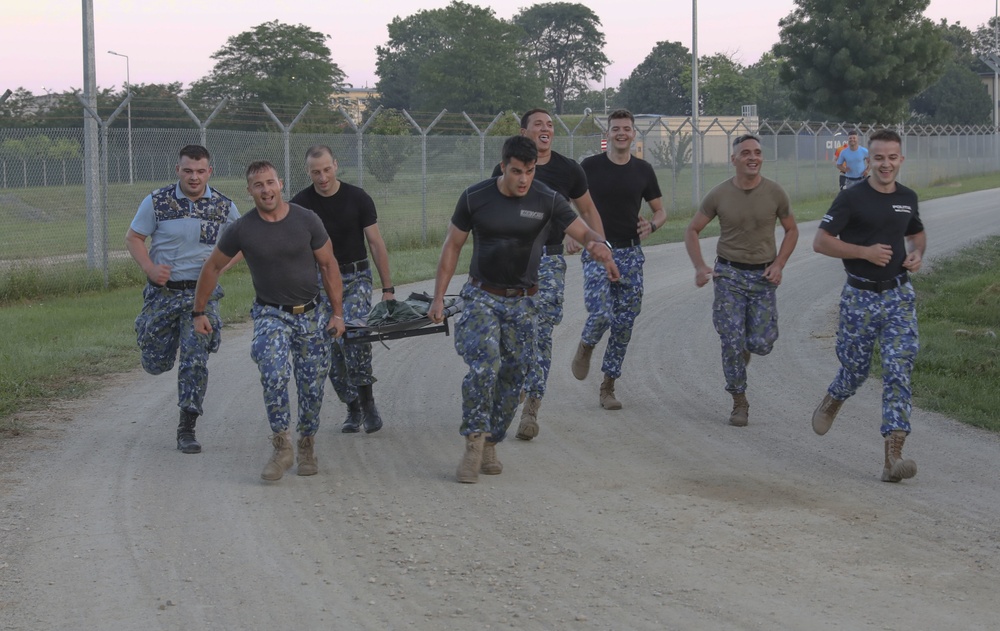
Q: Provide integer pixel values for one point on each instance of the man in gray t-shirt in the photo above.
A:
(283, 245)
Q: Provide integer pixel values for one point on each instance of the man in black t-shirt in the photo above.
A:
(875, 221)
(508, 217)
(348, 213)
(619, 183)
(564, 176)
(285, 246)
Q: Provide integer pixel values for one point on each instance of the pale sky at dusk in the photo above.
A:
(169, 40)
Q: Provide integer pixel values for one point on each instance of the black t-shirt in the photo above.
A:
(278, 253)
(345, 215)
(508, 232)
(564, 176)
(860, 215)
(618, 191)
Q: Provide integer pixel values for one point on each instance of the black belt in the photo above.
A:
(878, 285)
(356, 266)
(552, 250)
(506, 292)
(854, 179)
(293, 309)
(743, 266)
(627, 243)
(177, 285)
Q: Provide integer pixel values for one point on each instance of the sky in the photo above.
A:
(41, 41)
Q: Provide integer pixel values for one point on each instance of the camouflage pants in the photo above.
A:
(889, 319)
(745, 314)
(352, 363)
(548, 314)
(164, 327)
(493, 336)
(280, 338)
(613, 306)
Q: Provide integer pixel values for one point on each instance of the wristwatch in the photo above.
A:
(195, 314)
(388, 290)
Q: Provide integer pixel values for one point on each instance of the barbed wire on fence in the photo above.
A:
(417, 167)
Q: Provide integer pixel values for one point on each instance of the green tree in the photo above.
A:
(387, 147)
(722, 87)
(958, 98)
(461, 57)
(661, 84)
(857, 59)
(18, 110)
(769, 93)
(987, 38)
(567, 45)
(272, 63)
(672, 154)
(595, 100)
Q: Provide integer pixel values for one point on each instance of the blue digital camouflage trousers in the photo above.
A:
(889, 319)
(613, 306)
(352, 363)
(548, 314)
(164, 327)
(493, 335)
(280, 338)
(745, 315)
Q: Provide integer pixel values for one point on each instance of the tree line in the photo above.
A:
(851, 61)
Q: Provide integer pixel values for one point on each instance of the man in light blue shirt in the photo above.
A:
(853, 161)
(183, 221)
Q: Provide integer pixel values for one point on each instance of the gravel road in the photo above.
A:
(658, 516)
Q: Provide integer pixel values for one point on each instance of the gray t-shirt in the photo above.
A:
(279, 253)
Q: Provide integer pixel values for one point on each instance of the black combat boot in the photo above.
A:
(371, 419)
(185, 433)
(353, 423)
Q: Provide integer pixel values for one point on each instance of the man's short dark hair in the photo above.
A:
(527, 115)
(195, 152)
(258, 166)
(317, 151)
(745, 137)
(521, 148)
(621, 113)
(885, 135)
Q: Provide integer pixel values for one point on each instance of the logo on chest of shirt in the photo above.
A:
(532, 214)
(902, 208)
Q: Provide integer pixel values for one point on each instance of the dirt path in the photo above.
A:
(659, 516)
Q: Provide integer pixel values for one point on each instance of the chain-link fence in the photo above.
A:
(50, 225)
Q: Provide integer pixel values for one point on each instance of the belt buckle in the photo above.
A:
(511, 292)
(297, 309)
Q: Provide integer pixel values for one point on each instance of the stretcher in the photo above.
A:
(394, 319)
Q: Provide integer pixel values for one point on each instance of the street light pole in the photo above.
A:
(128, 89)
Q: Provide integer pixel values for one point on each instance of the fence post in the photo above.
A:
(423, 169)
(287, 137)
(482, 140)
(203, 126)
(98, 232)
(359, 132)
(6, 95)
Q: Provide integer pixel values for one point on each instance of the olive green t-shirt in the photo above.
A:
(747, 219)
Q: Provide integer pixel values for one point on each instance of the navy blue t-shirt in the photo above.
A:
(508, 232)
(860, 215)
(564, 176)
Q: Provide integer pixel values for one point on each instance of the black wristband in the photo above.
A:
(388, 290)
(652, 227)
(195, 314)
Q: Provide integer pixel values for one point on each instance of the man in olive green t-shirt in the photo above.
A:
(748, 265)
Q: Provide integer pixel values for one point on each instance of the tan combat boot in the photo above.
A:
(528, 428)
(824, 414)
(468, 469)
(581, 361)
(281, 460)
(896, 468)
(740, 415)
(307, 460)
(490, 465)
(608, 400)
